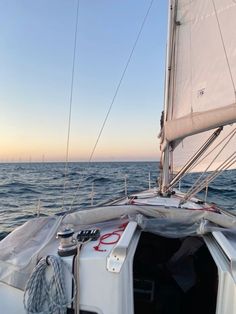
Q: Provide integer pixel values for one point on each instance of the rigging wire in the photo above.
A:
(175, 179)
(224, 166)
(197, 183)
(70, 103)
(230, 134)
(195, 157)
(202, 181)
(115, 95)
(121, 80)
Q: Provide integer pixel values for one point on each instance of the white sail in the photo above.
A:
(203, 68)
(200, 85)
(219, 152)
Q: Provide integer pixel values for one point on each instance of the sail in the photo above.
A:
(200, 93)
(220, 155)
(202, 66)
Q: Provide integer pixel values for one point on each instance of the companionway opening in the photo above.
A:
(174, 276)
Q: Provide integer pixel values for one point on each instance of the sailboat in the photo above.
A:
(160, 250)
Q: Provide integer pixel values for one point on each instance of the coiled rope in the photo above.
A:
(45, 291)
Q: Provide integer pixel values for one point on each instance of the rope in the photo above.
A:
(102, 239)
(45, 294)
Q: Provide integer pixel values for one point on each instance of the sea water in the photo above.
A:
(31, 189)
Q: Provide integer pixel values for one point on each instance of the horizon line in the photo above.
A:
(63, 162)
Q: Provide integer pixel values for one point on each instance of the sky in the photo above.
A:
(36, 53)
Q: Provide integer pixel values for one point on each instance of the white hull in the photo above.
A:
(105, 276)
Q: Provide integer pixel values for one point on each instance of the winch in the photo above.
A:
(68, 245)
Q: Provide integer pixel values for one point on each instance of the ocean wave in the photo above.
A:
(101, 180)
(24, 187)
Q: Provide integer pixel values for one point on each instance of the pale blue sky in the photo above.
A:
(36, 49)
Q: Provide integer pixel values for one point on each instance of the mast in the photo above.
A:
(200, 49)
(165, 161)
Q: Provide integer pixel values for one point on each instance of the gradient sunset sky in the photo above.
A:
(36, 50)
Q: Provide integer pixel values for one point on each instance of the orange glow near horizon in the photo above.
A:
(113, 146)
(16, 150)
(36, 82)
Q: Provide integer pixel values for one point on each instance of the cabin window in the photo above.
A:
(161, 286)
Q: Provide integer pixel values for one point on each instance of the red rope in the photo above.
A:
(108, 235)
